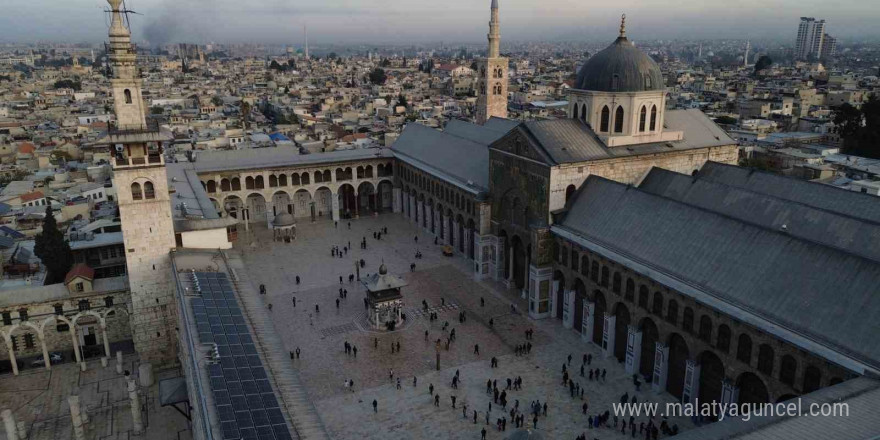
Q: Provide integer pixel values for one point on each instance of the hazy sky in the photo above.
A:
(403, 21)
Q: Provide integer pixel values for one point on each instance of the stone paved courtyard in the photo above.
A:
(410, 412)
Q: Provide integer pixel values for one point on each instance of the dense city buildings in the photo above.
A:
(504, 239)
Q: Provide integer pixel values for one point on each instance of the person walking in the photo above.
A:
(483, 432)
(294, 302)
(415, 380)
(398, 383)
(375, 406)
(437, 399)
(453, 401)
(354, 350)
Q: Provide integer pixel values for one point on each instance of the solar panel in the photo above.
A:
(246, 404)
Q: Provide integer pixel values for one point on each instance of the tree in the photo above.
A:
(156, 110)
(401, 100)
(848, 120)
(275, 66)
(860, 129)
(216, 100)
(763, 63)
(67, 84)
(377, 76)
(727, 120)
(52, 249)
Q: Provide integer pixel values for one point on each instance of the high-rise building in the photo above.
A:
(492, 87)
(829, 46)
(810, 37)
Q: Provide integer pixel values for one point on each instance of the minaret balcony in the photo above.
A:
(136, 162)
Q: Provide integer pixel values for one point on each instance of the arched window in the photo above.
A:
(236, 184)
(653, 118)
(618, 120)
(643, 297)
(603, 122)
(672, 312)
(723, 341)
(615, 283)
(258, 182)
(594, 271)
(574, 259)
(273, 181)
(648, 82)
(569, 191)
(630, 290)
(212, 186)
(149, 193)
(605, 276)
(705, 328)
(584, 112)
(657, 308)
(136, 191)
(127, 94)
(787, 370)
(225, 185)
(294, 179)
(687, 322)
(643, 116)
(585, 266)
(615, 82)
(765, 359)
(574, 113)
(744, 349)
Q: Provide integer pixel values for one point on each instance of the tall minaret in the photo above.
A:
(141, 184)
(492, 84)
(746, 56)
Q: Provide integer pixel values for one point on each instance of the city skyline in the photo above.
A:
(393, 21)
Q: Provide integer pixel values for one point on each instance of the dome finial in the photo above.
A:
(623, 26)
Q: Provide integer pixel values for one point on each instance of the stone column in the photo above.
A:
(414, 212)
(568, 309)
(661, 367)
(137, 420)
(396, 204)
(76, 417)
(106, 341)
(500, 248)
(334, 206)
(588, 322)
(608, 335)
(538, 287)
(455, 237)
(9, 423)
(691, 382)
(46, 358)
(12, 360)
(729, 393)
(446, 230)
(633, 349)
(76, 353)
(119, 362)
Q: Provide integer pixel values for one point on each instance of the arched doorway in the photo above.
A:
(281, 203)
(650, 336)
(386, 196)
(302, 203)
(711, 377)
(505, 261)
(256, 205)
(450, 227)
(519, 262)
(559, 298)
(751, 389)
(461, 236)
(621, 322)
(347, 200)
(323, 202)
(580, 294)
(233, 206)
(471, 238)
(678, 356)
(366, 198)
(598, 316)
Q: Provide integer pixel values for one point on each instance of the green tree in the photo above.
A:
(275, 66)
(52, 249)
(860, 128)
(848, 120)
(67, 84)
(763, 63)
(725, 120)
(156, 110)
(216, 101)
(377, 76)
(401, 100)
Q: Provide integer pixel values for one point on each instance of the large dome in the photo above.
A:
(621, 67)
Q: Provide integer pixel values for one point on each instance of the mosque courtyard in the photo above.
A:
(448, 287)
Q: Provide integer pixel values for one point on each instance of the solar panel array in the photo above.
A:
(246, 404)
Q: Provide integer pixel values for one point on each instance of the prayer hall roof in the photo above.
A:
(819, 297)
(620, 68)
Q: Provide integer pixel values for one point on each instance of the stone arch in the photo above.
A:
(672, 312)
(259, 183)
(569, 191)
(256, 205)
(687, 320)
(618, 119)
(584, 112)
(282, 180)
(657, 306)
(580, 295)
(678, 356)
(302, 203)
(323, 201)
(711, 377)
(604, 119)
(621, 324)
(643, 116)
(294, 179)
(722, 342)
(149, 190)
(574, 113)
(812, 379)
(368, 171)
(318, 177)
(236, 183)
(136, 191)
(127, 94)
(653, 117)
(249, 182)
(744, 348)
(367, 197)
(233, 205)
(225, 185)
(386, 195)
(615, 282)
(765, 359)
(650, 337)
(281, 203)
(347, 199)
(705, 332)
(751, 389)
(273, 181)
(559, 298)
(630, 291)
(643, 297)
(600, 309)
(211, 186)
(305, 179)
(787, 369)
(327, 176)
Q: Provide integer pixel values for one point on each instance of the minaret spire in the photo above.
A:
(494, 32)
(622, 26)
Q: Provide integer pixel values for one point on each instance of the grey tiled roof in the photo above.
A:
(813, 295)
(863, 206)
(823, 226)
(485, 134)
(569, 140)
(861, 395)
(445, 155)
(277, 157)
